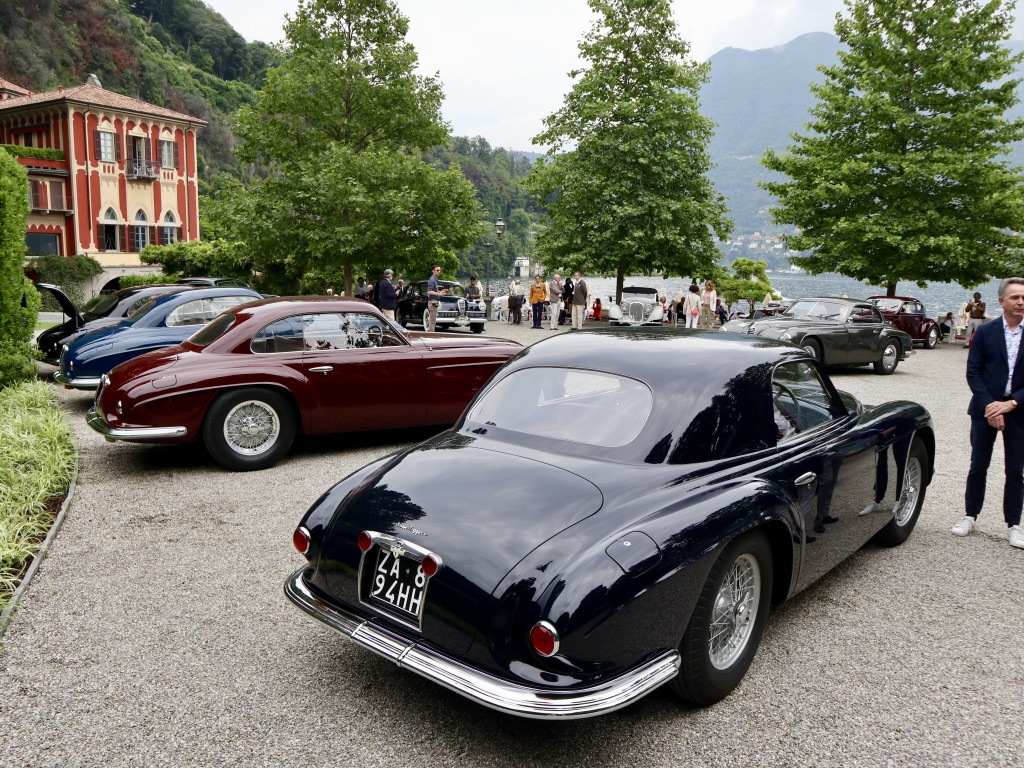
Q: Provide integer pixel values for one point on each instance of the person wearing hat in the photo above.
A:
(387, 296)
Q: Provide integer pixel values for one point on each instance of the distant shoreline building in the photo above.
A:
(108, 174)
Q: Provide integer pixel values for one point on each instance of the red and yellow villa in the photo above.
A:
(127, 177)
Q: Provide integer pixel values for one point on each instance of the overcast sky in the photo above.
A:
(504, 64)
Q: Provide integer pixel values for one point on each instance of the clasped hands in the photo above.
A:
(995, 411)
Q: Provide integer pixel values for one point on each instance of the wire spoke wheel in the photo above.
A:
(734, 611)
(251, 427)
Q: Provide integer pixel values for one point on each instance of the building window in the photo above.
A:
(166, 154)
(170, 229)
(106, 146)
(41, 244)
(140, 232)
(57, 196)
(110, 231)
(35, 199)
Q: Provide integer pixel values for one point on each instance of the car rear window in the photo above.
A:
(213, 330)
(580, 406)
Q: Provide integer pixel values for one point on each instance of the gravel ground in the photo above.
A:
(156, 633)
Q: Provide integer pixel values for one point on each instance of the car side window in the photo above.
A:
(346, 330)
(284, 335)
(865, 313)
(800, 401)
(202, 311)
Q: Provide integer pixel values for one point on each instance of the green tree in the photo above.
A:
(343, 125)
(19, 301)
(748, 282)
(626, 177)
(904, 174)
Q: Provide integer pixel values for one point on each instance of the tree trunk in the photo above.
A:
(890, 289)
(347, 287)
(619, 278)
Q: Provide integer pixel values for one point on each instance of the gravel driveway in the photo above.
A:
(156, 634)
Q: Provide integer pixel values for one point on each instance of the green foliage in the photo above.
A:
(129, 281)
(19, 302)
(217, 258)
(904, 175)
(39, 153)
(37, 459)
(70, 273)
(748, 282)
(343, 123)
(632, 194)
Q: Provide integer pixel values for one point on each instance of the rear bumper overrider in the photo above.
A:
(481, 687)
(131, 434)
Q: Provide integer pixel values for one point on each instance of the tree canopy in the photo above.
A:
(626, 177)
(904, 174)
(342, 127)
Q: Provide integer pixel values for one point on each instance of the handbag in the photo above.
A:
(694, 312)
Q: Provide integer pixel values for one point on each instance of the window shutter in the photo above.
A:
(35, 200)
(129, 146)
(149, 151)
(152, 235)
(101, 241)
(177, 157)
(97, 149)
(181, 231)
(122, 240)
(118, 157)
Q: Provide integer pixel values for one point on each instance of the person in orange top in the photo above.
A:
(538, 295)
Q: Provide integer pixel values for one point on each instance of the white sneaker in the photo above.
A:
(965, 526)
(1016, 536)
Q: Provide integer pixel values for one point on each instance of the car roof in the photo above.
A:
(896, 298)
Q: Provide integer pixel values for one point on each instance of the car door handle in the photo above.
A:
(324, 369)
(805, 479)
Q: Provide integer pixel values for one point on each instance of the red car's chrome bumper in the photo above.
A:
(97, 422)
(483, 688)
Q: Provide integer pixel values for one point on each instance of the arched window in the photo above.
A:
(109, 231)
(170, 229)
(140, 232)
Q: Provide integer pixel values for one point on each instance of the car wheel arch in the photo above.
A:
(297, 412)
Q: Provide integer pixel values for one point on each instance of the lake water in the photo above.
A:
(937, 297)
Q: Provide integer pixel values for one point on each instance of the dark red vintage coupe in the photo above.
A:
(255, 375)
(908, 314)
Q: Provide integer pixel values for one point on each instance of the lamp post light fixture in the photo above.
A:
(499, 227)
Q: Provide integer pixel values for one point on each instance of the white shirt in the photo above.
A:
(1012, 339)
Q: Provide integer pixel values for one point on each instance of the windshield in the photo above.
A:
(145, 309)
(588, 407)
(814, 308)
(103, 307)
(888, 305)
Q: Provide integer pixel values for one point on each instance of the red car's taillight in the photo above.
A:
(301, 540)
(544, 639)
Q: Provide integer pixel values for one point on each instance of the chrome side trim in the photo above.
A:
(481, 687)
(77, 382)
(98, 423)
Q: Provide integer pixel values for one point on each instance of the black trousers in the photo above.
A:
(983, 438)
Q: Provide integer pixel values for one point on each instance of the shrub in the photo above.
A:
(19, 301)
(68, 272)
(128, 281)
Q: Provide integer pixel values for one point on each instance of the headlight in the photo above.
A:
(785, 336)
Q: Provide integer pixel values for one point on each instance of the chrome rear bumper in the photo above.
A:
(481, 687)
(98, 423)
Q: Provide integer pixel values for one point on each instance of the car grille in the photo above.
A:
(637, 310)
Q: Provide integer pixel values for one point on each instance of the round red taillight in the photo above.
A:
(301, 540)
(365, 541)
(544, 639)
(429, 565)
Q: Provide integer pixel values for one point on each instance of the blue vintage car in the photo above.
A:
(164, 322)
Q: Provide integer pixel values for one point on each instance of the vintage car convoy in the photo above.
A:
(263, 371)
(674, 511)
(908, 314)
(639, 306)
(838, 332)
(456, 311)
(163, 322)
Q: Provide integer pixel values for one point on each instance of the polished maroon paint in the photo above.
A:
(423, 379)
(909, 316)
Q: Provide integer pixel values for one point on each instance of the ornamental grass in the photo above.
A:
(37, 458)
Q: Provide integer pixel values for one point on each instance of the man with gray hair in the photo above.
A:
(995, 374)
(554, 296)
(386, 295)
(580, 301)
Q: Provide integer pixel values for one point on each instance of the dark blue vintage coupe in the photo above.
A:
(643, 520)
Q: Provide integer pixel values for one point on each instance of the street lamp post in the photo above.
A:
(499, 228)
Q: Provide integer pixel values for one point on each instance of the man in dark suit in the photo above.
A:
(995, 374)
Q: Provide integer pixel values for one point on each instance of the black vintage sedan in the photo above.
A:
(642, 520)
(456, 311)
(837, 332)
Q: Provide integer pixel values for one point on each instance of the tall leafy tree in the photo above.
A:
(19, 301)
(342, 127)
(904, 174)
(626, 175)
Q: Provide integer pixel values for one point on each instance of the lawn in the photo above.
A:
(37, 458)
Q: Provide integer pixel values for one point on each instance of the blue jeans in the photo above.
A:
(983, 438)
(538, 313)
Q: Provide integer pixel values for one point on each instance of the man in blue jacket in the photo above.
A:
(995, 374)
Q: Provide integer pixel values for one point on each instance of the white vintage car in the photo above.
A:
(639, 306)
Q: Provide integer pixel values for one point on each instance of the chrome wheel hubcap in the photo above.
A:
(252, 427)
(889, 356)
(734, 612)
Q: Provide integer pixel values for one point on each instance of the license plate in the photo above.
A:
(399, 583)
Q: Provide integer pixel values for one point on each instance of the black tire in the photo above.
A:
(813, 348)
(266, 419)
(932, 339)
(908, 506)
(477, 327)
(713, 664)
(891, 353)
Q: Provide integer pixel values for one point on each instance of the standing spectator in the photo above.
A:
(362, 289)
(538, 295)
(995, 375)
(580, 299)
(566, 301)
(708, 302)
(516, 298)
(691, 306)
(386, 295)
(434, 291)
(595, 311)
(723, 316)
(472, 290)
(975, 317)
(554, 296)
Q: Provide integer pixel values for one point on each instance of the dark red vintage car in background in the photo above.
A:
(908, 314)
(257, 374)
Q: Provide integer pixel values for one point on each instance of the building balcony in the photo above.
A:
(140, 169)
